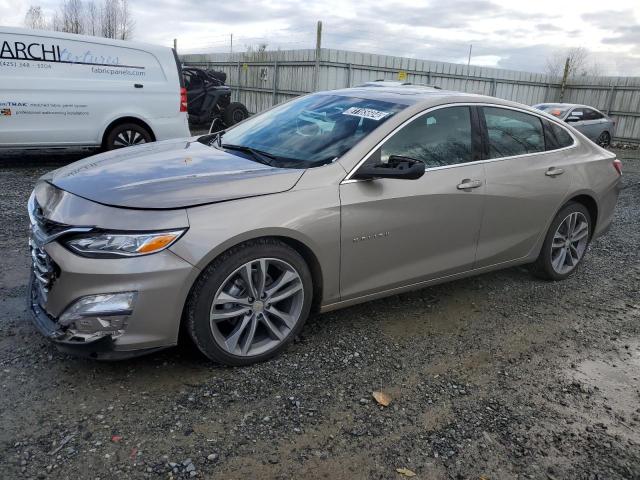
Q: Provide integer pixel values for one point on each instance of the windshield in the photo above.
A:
(555, 110)
(308, 132)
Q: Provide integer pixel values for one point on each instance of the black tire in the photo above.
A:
(137, 135)
(543, 267)
(212, 278)
(604, 140)
(235, 113)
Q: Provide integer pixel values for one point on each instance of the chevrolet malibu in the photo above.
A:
(326, 201)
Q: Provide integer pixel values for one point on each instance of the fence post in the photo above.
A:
(612, 94)
(316, 75)
(275, 82)
(239, 84)
(349, 75)
(546, 93)
(429, 77)
(565, 76)
(493, 86)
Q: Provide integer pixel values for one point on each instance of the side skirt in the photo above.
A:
(417, 286)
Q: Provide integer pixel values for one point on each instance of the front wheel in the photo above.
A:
(565, 244)
(250, 302)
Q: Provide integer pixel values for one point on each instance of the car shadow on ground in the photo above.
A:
(396, 312)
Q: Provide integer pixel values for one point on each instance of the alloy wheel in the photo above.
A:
(127, 138)
(604, 140)
(256, 307)
(569, 243)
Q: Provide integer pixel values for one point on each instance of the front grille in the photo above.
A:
(44, 270)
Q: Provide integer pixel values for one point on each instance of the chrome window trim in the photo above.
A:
(347, 179)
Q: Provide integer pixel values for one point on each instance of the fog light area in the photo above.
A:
(104, 313)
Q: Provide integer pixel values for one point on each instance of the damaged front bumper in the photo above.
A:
(98, 346)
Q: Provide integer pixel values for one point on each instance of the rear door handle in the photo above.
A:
(468, 184)
(554, 172)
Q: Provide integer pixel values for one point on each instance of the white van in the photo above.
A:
(61, 90)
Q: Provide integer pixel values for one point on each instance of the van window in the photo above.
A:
(512, 133)
(438, 138)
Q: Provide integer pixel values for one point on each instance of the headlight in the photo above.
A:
(107, 244)
(111, 306)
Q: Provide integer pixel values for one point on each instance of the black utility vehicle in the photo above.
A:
(209, 99)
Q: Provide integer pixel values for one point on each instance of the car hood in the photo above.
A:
(170, 174)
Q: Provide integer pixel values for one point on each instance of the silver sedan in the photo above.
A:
(594, 124)
(328, 200)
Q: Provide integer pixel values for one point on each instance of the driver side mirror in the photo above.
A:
(572, 119)
(399, 167)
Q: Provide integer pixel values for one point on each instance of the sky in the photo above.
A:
(516, 34)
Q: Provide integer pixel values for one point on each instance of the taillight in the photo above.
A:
(617, 164)
(183, 99)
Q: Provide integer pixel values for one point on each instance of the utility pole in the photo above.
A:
(466, 82)
(565, 76)
(316, 76)
(175, 44)
(231, 44)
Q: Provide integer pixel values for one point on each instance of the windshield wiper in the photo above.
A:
(262, 157)
(210, 138)
(219, 135)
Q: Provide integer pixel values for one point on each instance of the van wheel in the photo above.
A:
(235, 113)
(127, 135)
(249, 303)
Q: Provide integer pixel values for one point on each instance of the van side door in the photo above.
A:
(46, 103)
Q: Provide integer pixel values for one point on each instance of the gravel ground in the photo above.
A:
(498, 376)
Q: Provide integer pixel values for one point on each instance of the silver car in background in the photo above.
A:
(323, 202)
(592, 123)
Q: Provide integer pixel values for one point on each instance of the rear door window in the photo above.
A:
(590, 114)
(512, 133)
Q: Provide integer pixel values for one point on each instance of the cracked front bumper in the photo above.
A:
(101, 346)
(162, 282)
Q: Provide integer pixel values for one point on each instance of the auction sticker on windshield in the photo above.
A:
(370, 113)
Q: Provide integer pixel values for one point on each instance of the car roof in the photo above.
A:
(568, 105)
(411, 94)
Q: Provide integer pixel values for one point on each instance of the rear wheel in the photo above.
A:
(235, 113)
(604, 140)
(249, 303)
(127, 135)
(565, 244)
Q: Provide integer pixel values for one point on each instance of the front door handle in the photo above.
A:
(468, 184)
(554, 172)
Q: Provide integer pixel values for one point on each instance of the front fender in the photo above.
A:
(310, 217)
